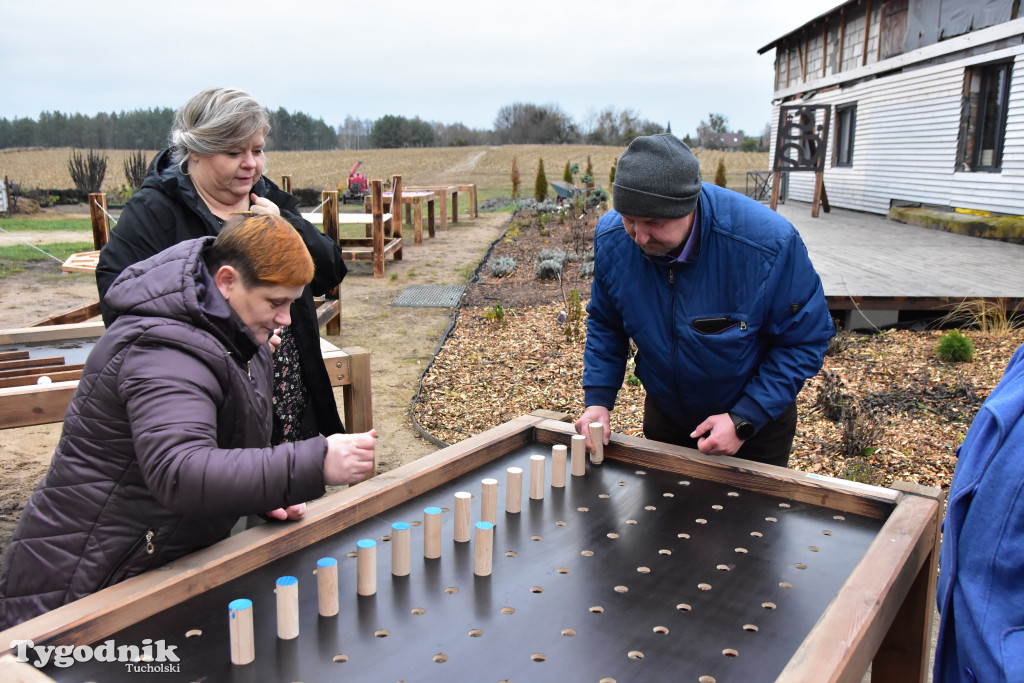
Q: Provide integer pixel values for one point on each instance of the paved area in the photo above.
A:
(871, 259)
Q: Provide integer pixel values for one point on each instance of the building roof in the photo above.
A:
(813, 22)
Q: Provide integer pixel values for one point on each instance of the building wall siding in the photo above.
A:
(906, 141)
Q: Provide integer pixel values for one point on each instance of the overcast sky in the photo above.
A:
(671, 61)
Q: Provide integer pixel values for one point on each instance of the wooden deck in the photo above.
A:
(869, 262)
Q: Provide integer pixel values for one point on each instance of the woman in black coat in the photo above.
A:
(214, 168)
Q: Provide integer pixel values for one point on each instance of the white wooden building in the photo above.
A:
(927, 102)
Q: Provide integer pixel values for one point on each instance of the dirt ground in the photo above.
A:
(401, 341)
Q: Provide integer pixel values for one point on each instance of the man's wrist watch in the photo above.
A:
(744, 429)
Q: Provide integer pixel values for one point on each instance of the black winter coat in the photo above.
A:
(164, 445)
(167, 210)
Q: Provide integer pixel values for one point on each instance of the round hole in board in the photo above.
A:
(604, 495)
(539, 657)
(640, 473)
(612, 534)
(785, 505)
(683, 607)
(536, 538)
(741, 550)
(596, 609)
(583, 509)
(729, 652)
(664, 551)
(563, 570)
(717, 507)
(704, 586)
(418, 611)
(451, 590)
(440, 658)
(650, 508)
(668, 494)
(622, 483)
(768, 605)
(635, 654)
(475, 633)
(385, 539)
(587, 553)
(724, 567)
(415, 523)
(644, 570)
(661, 630)
(706, 679)
(701, 520)
(838, 518)
(568, 632)
(381, 633)
(621, 589)
(508, 610)
(194, 633)
(733, 494)
(682, 535)
(814, 548)
(750, 627)
(340, 659)
(771, 519)
(631, 521)
(827, 532)
(756, 534)
(607, 680)
(511, 553)
(536, 589)
(785, 584)
(800, 565)
(560, 522)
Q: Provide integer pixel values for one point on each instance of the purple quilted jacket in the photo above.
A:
(164, 446)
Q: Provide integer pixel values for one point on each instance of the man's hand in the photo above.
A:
(292, 512)
(594, 414)
(717, 436)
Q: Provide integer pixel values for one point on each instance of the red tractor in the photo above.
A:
(356, 187)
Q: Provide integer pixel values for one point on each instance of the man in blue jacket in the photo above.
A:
(981, 564)
(717, 292)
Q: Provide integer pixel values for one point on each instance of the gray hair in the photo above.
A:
(216, 120)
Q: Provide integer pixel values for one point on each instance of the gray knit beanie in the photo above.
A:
(657, 177)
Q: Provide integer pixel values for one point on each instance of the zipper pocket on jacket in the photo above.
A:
(146, 541)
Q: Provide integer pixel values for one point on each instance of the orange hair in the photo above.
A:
(264, 249)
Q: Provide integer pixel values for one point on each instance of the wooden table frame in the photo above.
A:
(413, 202)
(881, 616)
(445, 191)
(31, 404)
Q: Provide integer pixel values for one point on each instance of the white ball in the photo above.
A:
(44, 380)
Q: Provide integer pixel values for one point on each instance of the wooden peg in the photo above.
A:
(578, 456)
(513, 489)
(432, 533)
(243, 648)
(558, 458)
(287, 607)
(401, 543)
(463, 515)
(597, 436)
(366, 566)
(483, 552)
(489, 500)
(537, 477)
(327, 586)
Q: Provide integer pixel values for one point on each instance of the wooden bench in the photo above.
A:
(452, 190)
(23, 402)
(413, 202)
(376, 248)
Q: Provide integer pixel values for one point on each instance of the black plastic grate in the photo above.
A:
(440, 296)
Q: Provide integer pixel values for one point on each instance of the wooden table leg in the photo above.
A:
(417, 220)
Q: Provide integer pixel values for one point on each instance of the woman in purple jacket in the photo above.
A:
(166, 441)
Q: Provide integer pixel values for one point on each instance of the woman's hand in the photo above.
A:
(263, 205)
(349, 457)
(292, 512)
(275, 339)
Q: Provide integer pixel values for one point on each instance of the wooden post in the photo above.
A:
(483, 552)
(597, 436)
(514, 489)
(463, 514)
(776, 178)
(558, 457)
(287, 591)
(330, 214)
(396, 212)
(578, 455)
(430, 215)
(366, 566)
(286, 183)
(243, 648)
(867, 32)
(489, 500)
(377, 193)
(400, 548)
(819, 186)
(327, 585)
(432, 533)
(417, 221)
(537, 477)
(98, 214)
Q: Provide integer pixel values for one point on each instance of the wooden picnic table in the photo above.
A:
(452, 190)
(413, 202)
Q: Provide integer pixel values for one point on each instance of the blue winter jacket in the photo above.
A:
(981, 575)
(752, 271)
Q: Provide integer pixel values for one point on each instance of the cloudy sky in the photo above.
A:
(669, 61)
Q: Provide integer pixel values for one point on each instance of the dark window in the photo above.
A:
(846, 126)
(984, 126)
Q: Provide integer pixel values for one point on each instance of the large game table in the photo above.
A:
(658, 564)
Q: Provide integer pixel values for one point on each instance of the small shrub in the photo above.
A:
(135, 166)
(954, 347)
(720, 173)
(515, 178)
(586, 269)
(567, 173)
(540, 185)
(548, 269)
(496, 314)
(501, 266)
(87, 172)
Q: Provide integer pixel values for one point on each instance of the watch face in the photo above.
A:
(744, 430)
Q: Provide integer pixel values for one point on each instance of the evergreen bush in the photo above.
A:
(540, 185)
(954, 347)
(720, 173)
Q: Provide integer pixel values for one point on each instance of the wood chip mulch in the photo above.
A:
(884, 407)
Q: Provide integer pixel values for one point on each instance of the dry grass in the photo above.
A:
(488, 167)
